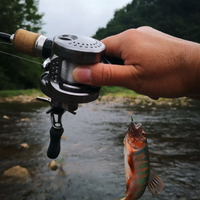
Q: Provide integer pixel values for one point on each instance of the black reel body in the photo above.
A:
(68, 51)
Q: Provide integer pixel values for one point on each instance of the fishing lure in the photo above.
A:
(137, 166)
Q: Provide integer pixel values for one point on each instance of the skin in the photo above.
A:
(155, 65)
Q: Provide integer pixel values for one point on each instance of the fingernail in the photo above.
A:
(82, 75)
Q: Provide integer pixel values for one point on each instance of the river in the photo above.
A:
(91, 158)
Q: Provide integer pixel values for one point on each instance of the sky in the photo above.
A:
(82, 17)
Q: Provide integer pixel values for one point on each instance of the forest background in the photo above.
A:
(179, 18)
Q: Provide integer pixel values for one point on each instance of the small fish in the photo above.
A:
(137, 165)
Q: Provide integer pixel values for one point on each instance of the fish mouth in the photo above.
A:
(137, 126)
(137, 131)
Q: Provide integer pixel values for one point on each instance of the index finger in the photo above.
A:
(113, 44)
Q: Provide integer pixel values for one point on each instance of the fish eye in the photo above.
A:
(143, 133)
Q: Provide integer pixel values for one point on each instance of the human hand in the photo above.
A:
(155, 64)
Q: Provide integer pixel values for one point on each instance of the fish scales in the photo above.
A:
(141, 160)
(138, 177)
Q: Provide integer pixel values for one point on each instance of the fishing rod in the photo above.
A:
(62, 54)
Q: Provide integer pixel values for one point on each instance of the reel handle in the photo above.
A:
(54, 145)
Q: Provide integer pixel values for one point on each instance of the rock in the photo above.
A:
(17, 172)
(61, 171)
(24, 145)
(53, 165)
(25, 120)
(63, 137)
(137, 101)
(5, 117)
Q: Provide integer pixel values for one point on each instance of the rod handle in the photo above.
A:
(25, 41)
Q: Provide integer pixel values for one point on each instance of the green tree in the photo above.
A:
(16, 73)
(179, 18)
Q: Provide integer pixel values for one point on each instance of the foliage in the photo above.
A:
(179, 18)
(116, 91)
(13, 93)
(14, 72)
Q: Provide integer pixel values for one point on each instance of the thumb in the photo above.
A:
(101, 74)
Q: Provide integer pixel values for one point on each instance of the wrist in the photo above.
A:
(194, 69)
(197, 71)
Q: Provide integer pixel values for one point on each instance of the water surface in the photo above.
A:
(91, 158)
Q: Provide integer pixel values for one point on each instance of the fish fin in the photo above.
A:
(155, 184)
(123, 198)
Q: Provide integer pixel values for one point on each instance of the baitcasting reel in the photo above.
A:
(68, 51)
(63, 54)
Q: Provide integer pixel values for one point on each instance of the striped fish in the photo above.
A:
(137, 165)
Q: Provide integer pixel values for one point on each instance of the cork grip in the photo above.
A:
(24, 42)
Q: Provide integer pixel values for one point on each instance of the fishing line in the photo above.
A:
(6, 43)
(9, 54)
(6, 37)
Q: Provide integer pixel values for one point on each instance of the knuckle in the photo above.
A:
(135, 75)
(106, 75)
(144, 28)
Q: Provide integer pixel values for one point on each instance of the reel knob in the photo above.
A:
(54, 146)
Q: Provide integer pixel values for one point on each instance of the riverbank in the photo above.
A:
(107, 94)
(30, 95)
(23, 96)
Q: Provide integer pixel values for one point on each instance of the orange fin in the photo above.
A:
(155, 184)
